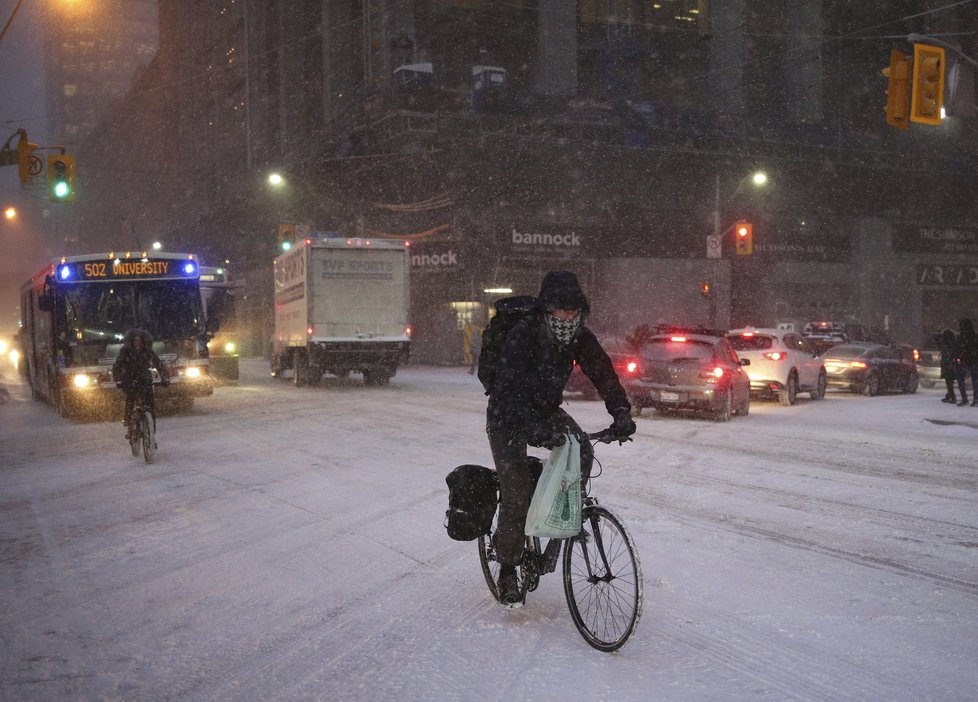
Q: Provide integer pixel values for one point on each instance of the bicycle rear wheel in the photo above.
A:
(603, 580)
(149, 437)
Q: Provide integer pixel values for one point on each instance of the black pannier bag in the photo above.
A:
(473, 492)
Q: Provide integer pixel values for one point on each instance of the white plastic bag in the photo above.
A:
(555, 510)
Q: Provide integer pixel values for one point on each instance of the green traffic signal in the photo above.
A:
(61, 178)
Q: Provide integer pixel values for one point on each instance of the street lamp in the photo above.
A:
(157, 245)
(758, 178)
(10, 212)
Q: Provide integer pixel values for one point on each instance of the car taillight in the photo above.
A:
(775, 355)
(631, 367)
(712, 375)
(916, 355)
(857, 364)
(310, 330)
(678, 339)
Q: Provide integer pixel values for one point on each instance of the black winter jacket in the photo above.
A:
(532, 371)
(132, 367)
(968, 341)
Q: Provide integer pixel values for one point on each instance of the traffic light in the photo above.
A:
(27, 163)
(61, 178)
(927, 94)
(898, 89)
(286, 236)
(743, 236)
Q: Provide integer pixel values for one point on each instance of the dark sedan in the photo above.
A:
(627, 365)
(871, 368)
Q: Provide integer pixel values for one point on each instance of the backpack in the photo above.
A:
(473, 492)
(509, 311)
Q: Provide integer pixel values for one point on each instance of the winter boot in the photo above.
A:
(950, 399)
(964, 401)
(509, 587)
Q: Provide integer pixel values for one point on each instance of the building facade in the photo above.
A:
(610, 137)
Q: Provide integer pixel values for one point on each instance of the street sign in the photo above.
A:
(713, 249)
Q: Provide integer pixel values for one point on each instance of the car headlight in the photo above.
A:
(81, 380)
(3, 346)
(229, 347)
(193, 372)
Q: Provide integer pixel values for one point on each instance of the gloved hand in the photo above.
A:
(624, 425)
(544, 436)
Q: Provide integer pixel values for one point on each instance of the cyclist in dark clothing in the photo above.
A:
(524, 406)
(131, 372)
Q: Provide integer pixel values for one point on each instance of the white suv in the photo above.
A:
(782, 363)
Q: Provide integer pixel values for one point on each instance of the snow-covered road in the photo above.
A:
(287, 544)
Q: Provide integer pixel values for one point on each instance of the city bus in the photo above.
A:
(76, 311)
(220, 304)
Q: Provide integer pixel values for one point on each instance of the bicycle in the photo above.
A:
(601, 571)
(142, 432)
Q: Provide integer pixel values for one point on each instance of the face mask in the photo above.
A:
(563, 330)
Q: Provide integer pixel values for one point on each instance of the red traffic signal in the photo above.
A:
(743, 238)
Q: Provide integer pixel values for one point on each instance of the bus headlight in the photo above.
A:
(81, 380)
(229, 347)
(193, 372)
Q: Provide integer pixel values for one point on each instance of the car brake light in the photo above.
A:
(857, 364)
(631, 367)
(747, 335)
(310, 330)
(678, 339)
(775, 355)
(712, 375)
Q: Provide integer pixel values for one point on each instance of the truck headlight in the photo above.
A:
(81, 380)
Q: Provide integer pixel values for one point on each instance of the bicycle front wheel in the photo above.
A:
(149, 437)
(603, 580)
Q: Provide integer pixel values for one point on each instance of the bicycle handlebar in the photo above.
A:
(606, 436)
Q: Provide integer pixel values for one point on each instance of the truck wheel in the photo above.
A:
(376, 376)
(300, 369)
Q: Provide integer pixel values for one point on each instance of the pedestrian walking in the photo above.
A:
(968, 341)
(950, 360)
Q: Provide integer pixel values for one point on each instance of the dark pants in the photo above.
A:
(508, 446)
(949, 382)
(963, 372)
(143, 394)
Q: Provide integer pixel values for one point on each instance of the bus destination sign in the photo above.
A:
(126, 269)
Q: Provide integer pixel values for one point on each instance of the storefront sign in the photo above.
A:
(824, 249)
(935, 240)
(947, 275)
(434, 260)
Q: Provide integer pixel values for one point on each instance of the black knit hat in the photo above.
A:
(560, 290)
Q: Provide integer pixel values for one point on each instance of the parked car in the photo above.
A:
(871, 368)
(627, 365)
(693, 369)
(929, 365)
(782, 363)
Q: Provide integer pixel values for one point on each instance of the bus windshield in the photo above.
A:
(220, 304)
(167, 309)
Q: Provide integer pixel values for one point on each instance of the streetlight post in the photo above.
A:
(759, 179)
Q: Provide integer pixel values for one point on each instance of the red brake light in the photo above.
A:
(712, 375)
(408, 331)
(678, 339)
(310, 330)
(775, 355)
(631, 367)
(747, 335)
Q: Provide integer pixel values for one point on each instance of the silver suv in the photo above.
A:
(782, 363)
